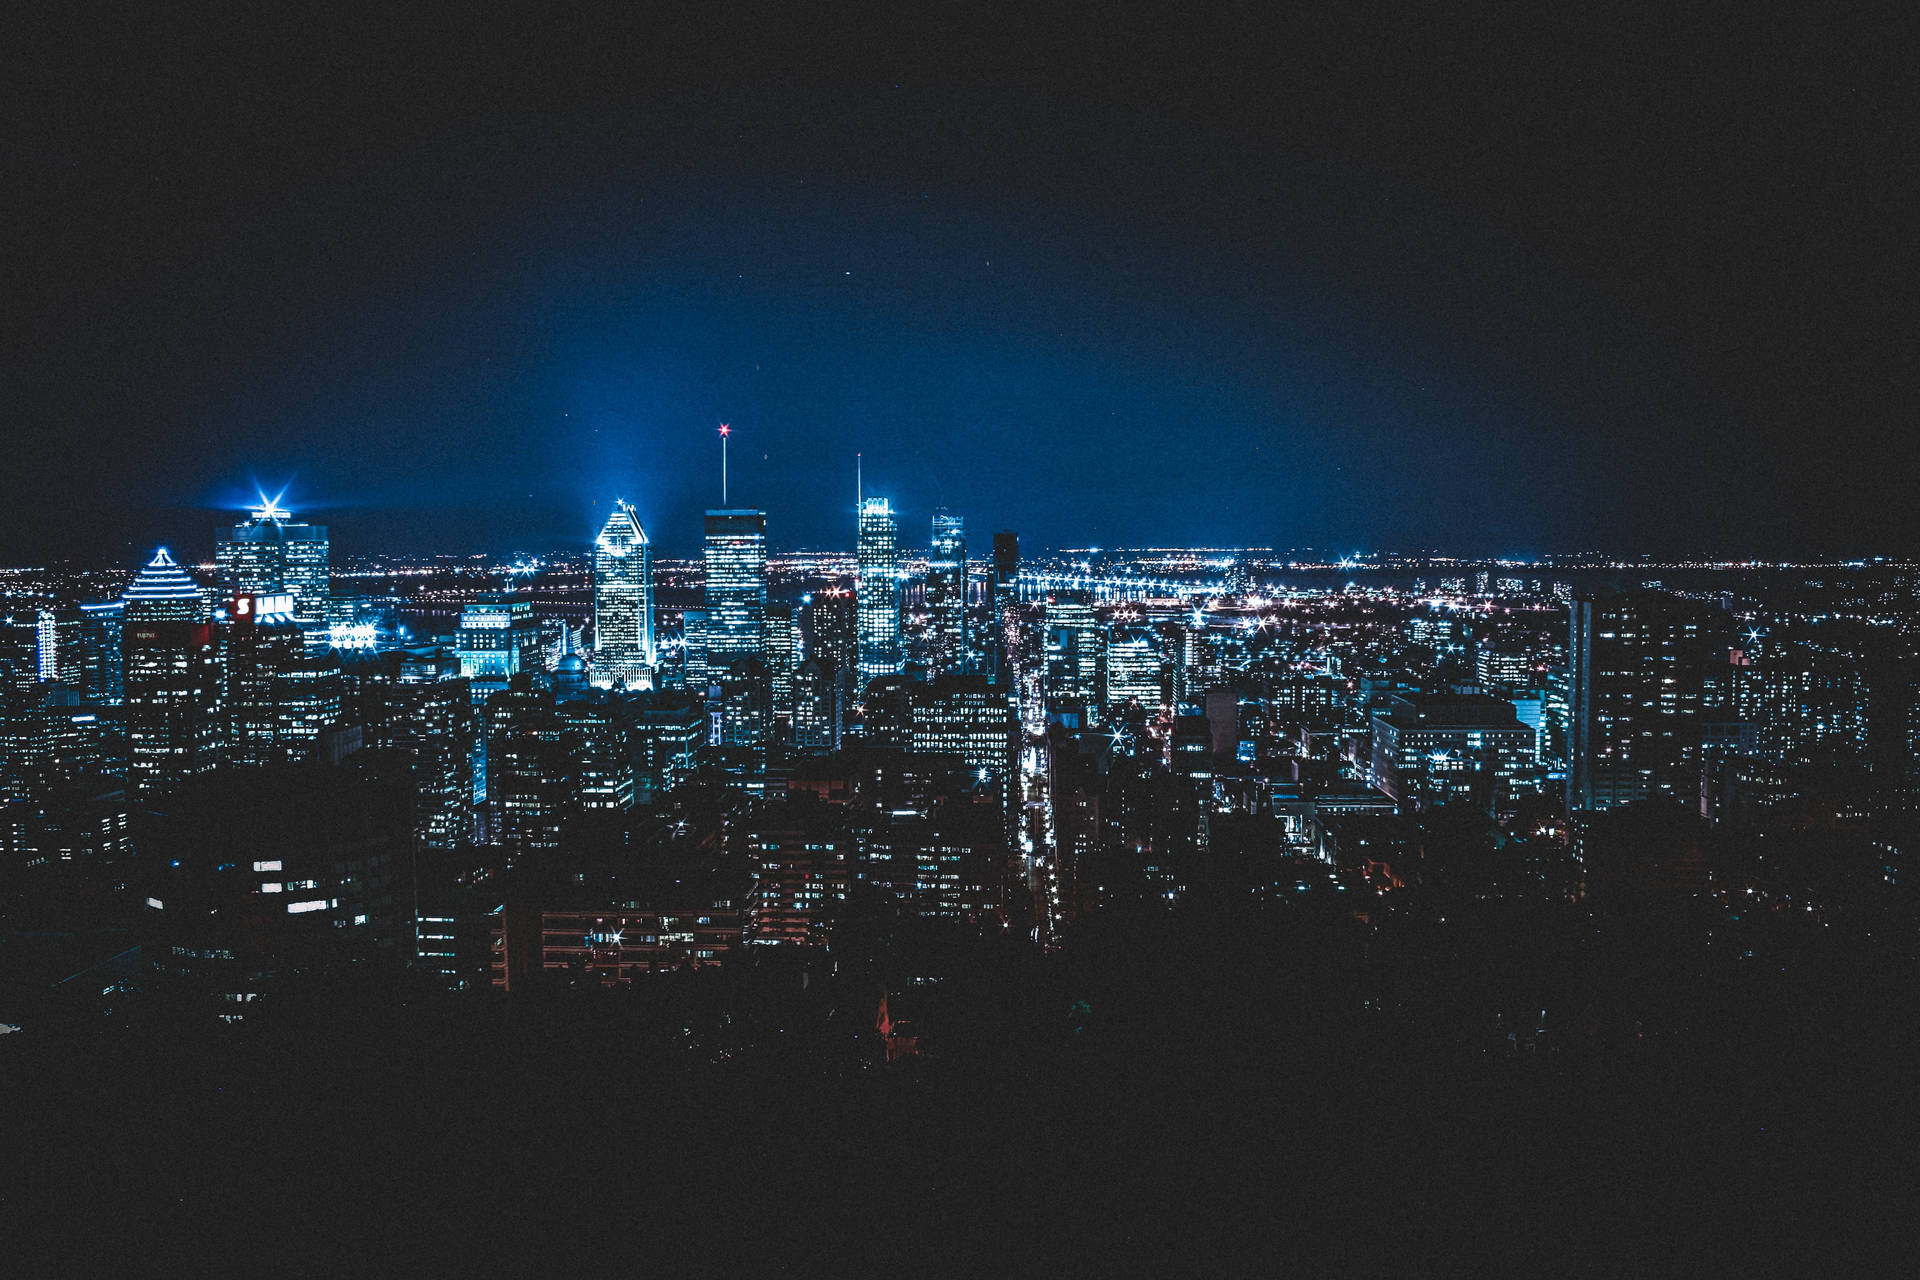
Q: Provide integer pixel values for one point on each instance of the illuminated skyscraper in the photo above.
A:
(816, 706)
(172, 679)
(271, 553)
(947, 594)
(164, 593)
(782, 646)
(832, 630)
(99, 651)
(879, 590)
(1132, 670)
(623, 648)
(1076, 654)
(263, 646)
(1004, 600)
(432, 722)
(736, 586)
(1643, 668)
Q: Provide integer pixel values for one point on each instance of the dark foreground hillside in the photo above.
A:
(1198, 1094)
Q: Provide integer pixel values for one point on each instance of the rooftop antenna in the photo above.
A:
(859, 484)
(725, 431)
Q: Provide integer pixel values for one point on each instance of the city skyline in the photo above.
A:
(1074, 641)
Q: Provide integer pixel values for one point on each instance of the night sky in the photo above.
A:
(1623, 281)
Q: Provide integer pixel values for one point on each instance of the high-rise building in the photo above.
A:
(693, 651)
(171, 679)
(431, 722)
(99, 677)
(1132, 669)
(262, 646)
(1076, 648)
(1430, 751)
(969, 717)
(595, 737)
(499, 638)
(667, 742)
(879, 593)
(623, 647)
(947, 595)
(271, 553)
(530, 787)
(832, 630)
(736, 585)
(1643, 667)
(1003, 601)
(801, 874)
(816, 706)
(782, 649)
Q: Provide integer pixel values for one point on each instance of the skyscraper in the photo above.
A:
(1131, 672)
(1004, 600)
(271, 553)
(432, 722)
(1076, 650)
(832, 630)
(1643, 677)
(263, 646)
(879, 593)
(623, 647)
(947, 594)
(171, 678)
(99, 651)
(736, 585)
(782, 648)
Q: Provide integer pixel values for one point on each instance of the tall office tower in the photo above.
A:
(1815, 698)
(20, 650)
(832, 630)
(1132, 670)
(431, 722)
(1076, 654)
(594, 735)
(736, 585)
(742, 713)
(269, 554)
(879, 598)
(947, 595)
(98, 646)
(162, 592)
(263, 645)
(667, 742)
(782, 645)
(1645, 668)
(969, 717)
(171, 679)
(816, 706)
(1003, 601)
(623, 648)
(693, 651)
(529, 782)
(26, 749)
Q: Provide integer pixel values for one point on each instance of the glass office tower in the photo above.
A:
(947, 594)
(623, 647)
(879, 592)
(736, 586)
(171, 678)
(271, 553)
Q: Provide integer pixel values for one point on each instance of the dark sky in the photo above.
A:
(1581, 278)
